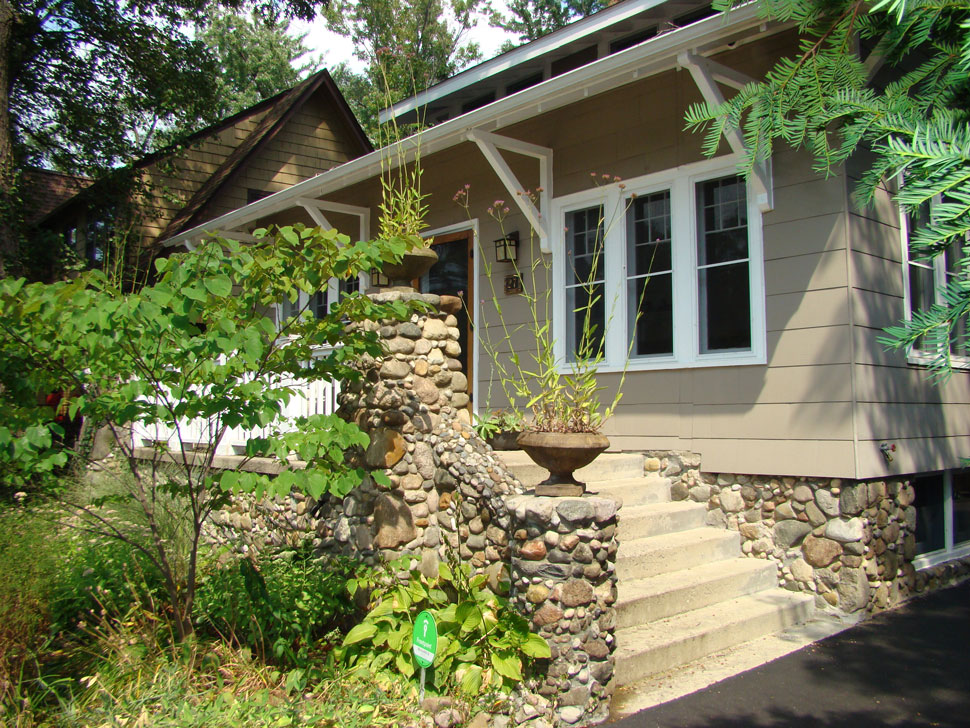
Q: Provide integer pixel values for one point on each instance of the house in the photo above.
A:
(756, 385)
(268, 147)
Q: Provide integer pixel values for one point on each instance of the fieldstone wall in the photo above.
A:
(564, 580)
(850, 543)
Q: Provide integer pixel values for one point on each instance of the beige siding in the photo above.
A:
(896, 403)
(792, 416)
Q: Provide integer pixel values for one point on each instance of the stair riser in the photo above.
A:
(693, 596)
(659, 524)
(664, 560)
(645, 494)
(530, 474)
(631, 668)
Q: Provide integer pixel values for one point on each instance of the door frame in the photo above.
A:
(455, 231)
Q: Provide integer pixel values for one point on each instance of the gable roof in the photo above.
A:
(281, 108)
(288, 104)
(48, 190)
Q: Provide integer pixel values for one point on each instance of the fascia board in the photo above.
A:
(575, 31)
(653, 56)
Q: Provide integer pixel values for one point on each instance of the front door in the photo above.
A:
(452, 276)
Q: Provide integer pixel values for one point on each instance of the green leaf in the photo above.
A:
(536, 646)
(507, 665)
(219, 285)
(363, 631)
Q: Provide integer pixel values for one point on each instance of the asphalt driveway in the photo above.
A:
(909, 667)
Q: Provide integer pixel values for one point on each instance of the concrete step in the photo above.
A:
(667, 643)
(644, 557)
(608, 466)
(657, 519)
(645, 600)
(632, 491)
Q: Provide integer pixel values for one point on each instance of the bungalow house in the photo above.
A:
(263, 149)
(756, 390)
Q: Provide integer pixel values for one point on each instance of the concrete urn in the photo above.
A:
(562, 453)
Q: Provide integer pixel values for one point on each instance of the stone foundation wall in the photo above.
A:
(851, 543)
(564, 580)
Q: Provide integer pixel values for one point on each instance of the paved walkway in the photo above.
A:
(909, 667)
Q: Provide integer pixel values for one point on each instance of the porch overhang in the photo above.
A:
(661, 53)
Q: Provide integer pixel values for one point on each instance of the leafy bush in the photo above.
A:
(278, 606)
(482, 643)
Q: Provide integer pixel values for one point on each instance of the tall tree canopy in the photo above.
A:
(891, 79)
(408, 46)
(256, 58)
(532, 19)
(78, 77)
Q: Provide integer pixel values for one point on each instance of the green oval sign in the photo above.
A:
(424, 639)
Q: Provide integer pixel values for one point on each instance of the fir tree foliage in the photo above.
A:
(889, 82)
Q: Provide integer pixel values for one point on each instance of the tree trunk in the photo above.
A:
(9, 207)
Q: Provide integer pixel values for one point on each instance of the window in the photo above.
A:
(673, 262)
(942, 516)
(320, 302)
(924, 281)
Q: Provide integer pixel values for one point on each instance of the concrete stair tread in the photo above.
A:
(632, 589)
(655, 519)
(676, 640)
(643, 557)
(631, 491)
(641, 601)
(681, 539)
(607, 466)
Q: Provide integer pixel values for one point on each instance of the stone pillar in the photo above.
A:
(446, 486)
(564, 580)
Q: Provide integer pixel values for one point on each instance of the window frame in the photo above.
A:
(682, 183)
(334, 291)
(914, 356)
(951, 549)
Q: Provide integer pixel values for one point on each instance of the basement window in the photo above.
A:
(942, 517)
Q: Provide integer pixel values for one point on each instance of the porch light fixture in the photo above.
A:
(507, 248)
(378, 279)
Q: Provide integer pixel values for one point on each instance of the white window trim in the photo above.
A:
(333, 293)
(950, 549)
(919, 357)
(681, 182)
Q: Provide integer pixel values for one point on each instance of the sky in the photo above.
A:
(335, 48)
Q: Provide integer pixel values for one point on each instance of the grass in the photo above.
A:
(83, 641)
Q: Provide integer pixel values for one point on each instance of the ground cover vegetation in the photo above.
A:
(885, 85)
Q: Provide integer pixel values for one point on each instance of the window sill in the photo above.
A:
(935, 558)
(922, 360)
(666, 364)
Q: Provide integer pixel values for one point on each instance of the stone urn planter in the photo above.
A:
(505, 440)
(561, 453)
(413, 265)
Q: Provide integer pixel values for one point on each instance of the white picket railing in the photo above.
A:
(312, 398)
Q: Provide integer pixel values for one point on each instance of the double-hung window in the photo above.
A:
(674, 264)
(924, 280)
(319, 303)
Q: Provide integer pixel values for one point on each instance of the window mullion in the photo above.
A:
(684, 256)
(614, 289)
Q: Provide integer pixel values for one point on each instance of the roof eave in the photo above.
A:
(651, 57)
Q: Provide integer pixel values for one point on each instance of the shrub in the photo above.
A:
(279, 606)
(482, 643)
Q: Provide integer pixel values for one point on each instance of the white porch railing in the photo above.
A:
(311, 398)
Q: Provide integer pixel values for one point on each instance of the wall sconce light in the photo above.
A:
(378, 279)
(513, 285)
(507, 248)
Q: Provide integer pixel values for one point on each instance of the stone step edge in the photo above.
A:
(638, 547)
(696, 587)
(703, 625)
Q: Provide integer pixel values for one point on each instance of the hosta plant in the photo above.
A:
(482, 643)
